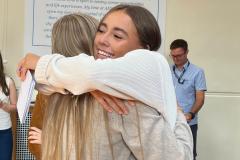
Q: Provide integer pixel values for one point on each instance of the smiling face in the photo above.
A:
(116, 36)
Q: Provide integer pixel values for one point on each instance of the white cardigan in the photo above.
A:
(141, 74)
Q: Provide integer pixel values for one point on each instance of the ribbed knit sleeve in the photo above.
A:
(141, 74)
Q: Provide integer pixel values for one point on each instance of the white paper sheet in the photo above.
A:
(25, 96)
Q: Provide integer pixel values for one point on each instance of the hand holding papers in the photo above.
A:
(25, 96)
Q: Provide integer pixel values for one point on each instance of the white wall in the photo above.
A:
(11, 33)
(219, 131)
(212, 29)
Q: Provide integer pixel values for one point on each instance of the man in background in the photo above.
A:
(190, 85)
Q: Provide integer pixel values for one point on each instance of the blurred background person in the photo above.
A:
(8, 100)
(190, 85)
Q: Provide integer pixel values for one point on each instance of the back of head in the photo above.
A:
(145, 23)
(74, 34)
(67, 114)
(179, 43)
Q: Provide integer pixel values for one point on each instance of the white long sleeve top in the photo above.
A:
(141, 74)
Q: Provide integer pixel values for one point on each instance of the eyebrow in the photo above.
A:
(115, 28)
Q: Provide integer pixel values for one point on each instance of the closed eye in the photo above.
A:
(102, 28)
(118, 37)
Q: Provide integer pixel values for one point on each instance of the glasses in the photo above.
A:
(177, 56)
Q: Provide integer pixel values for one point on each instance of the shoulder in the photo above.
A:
(9, 80)
(196, 68)
(144, 52)
(146, 55)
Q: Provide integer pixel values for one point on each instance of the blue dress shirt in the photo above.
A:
(193, 80)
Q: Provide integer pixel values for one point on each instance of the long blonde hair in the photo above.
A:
(67, 119)
(74, 34)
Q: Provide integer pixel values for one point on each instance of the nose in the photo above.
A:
(104, 39)
(174, 57)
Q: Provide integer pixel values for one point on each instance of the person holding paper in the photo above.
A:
(8, 100)
(145, 133)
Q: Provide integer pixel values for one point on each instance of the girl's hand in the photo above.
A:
(35, 135)
(29, 62)
(111, 103)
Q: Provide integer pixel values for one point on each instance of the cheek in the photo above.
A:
(121, 49)
(119, 53)
(175, 60)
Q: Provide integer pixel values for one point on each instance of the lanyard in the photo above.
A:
(179, 78)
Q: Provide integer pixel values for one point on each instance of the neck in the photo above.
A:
(180, 67)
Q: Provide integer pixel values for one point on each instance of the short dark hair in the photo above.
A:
(179, 43)
(147, 27)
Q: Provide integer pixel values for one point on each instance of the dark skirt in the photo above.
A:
(6, 144)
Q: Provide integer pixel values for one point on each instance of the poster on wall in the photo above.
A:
(40, 16)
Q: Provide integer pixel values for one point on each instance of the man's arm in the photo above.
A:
(200, 96)
(200, 87)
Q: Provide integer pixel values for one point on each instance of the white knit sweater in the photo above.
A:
(141, 75)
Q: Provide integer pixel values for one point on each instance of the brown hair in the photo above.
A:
(179, 43)
(147, 27)
(3, 82)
